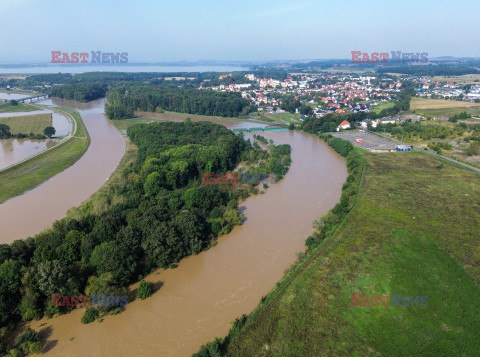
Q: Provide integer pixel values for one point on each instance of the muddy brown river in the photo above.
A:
(37, 209)
(197, 301)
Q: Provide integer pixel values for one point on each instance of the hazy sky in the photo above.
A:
(236, 29)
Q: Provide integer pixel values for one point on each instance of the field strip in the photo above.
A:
(63, 140)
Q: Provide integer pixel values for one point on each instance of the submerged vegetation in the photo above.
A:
(158, 214)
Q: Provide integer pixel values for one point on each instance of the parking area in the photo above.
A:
(369, 141)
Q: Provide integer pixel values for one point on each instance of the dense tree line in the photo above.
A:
(123, 100)
(430, 70)
(81, 92)
(163, 215)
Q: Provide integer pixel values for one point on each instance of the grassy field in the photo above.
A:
(33, 172)
(413, 232)
(442, 108)
(21, 107)
(27, 124)
(425, 103)
(467, 78)
(383, 106)
(280, 118)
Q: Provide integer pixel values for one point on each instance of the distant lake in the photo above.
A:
(115, 68)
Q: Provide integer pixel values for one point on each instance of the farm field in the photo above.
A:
(424, 103)
(442, 108)
(467, 78)
(27, 124)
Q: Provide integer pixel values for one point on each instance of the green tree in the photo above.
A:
(116, 259)
(90, 315)
(54, 277)
(49, 131)
(105, 285)
(69, 251)
(5, 131)
(145, 289)
(10, 284)
(152, 184)
(28, 338)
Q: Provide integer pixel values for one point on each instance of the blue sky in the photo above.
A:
(185, 30)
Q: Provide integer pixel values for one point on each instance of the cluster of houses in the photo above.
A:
(325, 93)
(368, 123)
(428, 88)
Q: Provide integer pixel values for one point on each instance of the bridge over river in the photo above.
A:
(31, 99)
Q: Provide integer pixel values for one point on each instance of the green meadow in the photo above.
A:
(415, 231)
(40, 168)
(27, 124)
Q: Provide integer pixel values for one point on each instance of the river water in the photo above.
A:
(16, 150)
(37, 209)
(197, 301)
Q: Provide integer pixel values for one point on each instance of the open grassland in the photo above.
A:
(40, 168)
(442, 108)
(467, 78)
(415, 232)
(21, 107)
(383, 106)
(425, 103)
(279, 118)
(27, 124)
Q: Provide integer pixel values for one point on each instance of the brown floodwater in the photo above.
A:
(16, 150)
(37, 209)
(197, 301)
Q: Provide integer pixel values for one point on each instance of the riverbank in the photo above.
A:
(413, 232)
(37, 169)
(41, 206)
(199, 298)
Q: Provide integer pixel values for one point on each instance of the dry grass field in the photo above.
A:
(27, 124)
(424, 103)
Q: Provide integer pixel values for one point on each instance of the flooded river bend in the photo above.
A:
(200, 298)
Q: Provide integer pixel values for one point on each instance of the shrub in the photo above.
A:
(90, 315)
(28, 338)
(145, 289)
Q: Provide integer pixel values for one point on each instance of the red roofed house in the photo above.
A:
(343, 125)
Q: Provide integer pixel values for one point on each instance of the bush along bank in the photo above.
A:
(324, 229)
